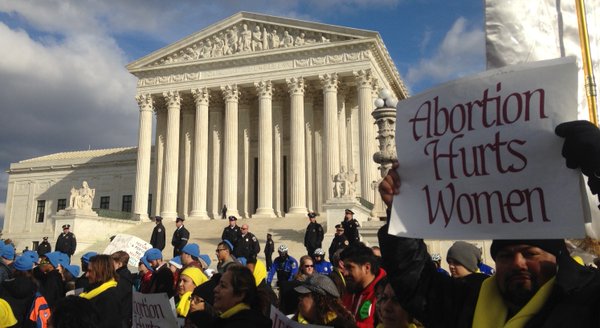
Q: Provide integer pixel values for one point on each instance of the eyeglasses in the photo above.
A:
(384, 298)
(220, 249)
(309, 266)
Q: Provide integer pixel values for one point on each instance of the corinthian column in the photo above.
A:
(200, 174)
(364, 82)
(265, 149)
(230, 156)
(330, 123)
(142, 176)
(297, 155)
(169, 191)
(159, 147)
(342, 92)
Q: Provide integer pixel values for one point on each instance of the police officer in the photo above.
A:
(313, 238)
(232, 232)
(66, 242)
(180, 237)
(269, 249)
(159, 235)
(350, 227)
(247, 246)
(321, 266)
(339, 241)
(284, 266)
(44, 247)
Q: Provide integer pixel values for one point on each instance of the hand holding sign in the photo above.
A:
(582, 149)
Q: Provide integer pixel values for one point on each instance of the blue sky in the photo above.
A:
(64, 86)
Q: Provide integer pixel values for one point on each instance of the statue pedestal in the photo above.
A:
(335, 209)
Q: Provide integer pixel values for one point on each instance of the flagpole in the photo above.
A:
(590, 83)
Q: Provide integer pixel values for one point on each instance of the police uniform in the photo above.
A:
(351, 230)
(44, 247)
(159, 236)
(285, 267)
(269, 249)
(313, 238)
(180, 238)
(233, 234)
(66, 242)
(247, 246)
(338, 242)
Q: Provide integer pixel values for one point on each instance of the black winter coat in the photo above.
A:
(440, 301)
(244, 319)
(124, 292)
(159, 236)
(180, 239)
(108, 308)
(19, 292)
(313, 237)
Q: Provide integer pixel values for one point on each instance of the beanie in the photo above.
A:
(196, 274)
(552, 246)
(466, 254)
(23, 263)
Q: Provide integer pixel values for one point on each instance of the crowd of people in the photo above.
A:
(535, 283)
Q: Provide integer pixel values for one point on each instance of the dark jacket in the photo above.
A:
(247, 246)
(244, 319)
(124, 293)
(108, 308)
(351, 230)
(232, 234)
(180, 239)
(440, 301)
(51, 285)
(159, 236)
(44, 248)
(338, 242)
(19, 292)
(162, 281)
(66, 243)
(313, 237)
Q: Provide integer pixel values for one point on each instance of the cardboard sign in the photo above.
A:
(280, 320)
(133, 245)
(152, 310)
(479, 158)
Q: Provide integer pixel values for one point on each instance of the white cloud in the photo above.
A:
(462, 52)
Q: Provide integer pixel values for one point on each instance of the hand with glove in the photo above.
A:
(581, 149)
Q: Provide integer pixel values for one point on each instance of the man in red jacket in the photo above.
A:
(362, 272)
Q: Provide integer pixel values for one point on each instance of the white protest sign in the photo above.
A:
(479, 158)
(280, 320)
(133, 245)
(152, 311)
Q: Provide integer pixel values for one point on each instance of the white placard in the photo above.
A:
(133, 245)
(479, 158)
(152, 310)
(280, 320)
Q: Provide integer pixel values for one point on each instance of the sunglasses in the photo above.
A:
(309, 266)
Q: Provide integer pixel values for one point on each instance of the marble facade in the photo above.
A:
(258, 113)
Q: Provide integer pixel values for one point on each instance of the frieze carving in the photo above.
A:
(247, 37)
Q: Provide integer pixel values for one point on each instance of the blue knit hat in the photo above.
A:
(87, 256)
(153, 254)
(191, 249)
(33, 255)
(57, 258)
(7, 251)
(23, 263)
(228, 244)
(73, 269)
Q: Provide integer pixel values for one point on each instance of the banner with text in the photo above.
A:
(152, 310)
(133, 245)
(479, 158)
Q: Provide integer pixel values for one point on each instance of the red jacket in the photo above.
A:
(362, 305)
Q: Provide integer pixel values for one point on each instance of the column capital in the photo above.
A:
(145, 101)
(230, 92)
(201, 96)
(364, 78)
(329, 81)
(172, 98)
(295, 85)
(375, 88)
(264, 89)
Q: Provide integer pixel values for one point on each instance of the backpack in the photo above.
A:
(40, 311)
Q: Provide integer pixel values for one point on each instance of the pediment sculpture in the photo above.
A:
(247, 37)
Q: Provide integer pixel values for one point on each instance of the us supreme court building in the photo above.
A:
(254, 112)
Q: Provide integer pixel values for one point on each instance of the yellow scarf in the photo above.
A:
(99, 290)
(491, 312)
(330, 317)
(183, 307)
(234, 309)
